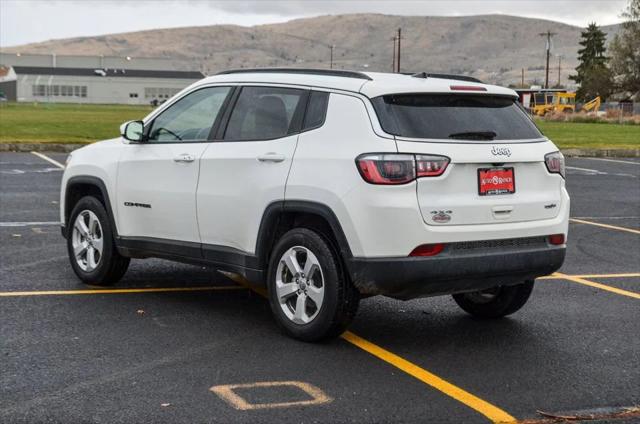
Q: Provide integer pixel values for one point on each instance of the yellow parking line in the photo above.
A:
(598, 285)
(628, 275)
(117, 291)
(490, 411)
(611, 227)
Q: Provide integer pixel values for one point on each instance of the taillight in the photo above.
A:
(555, 163)
(393, 168)
(556, 239)
(427, 249)
(430, 166)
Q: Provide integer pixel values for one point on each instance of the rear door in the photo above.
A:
(246, 169)
(157, 178)
(496, 172)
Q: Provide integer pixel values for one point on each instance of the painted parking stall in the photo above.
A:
(155, 346)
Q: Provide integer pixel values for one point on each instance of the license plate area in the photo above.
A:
(495, 181)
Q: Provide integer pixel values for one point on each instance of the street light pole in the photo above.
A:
(331, 58)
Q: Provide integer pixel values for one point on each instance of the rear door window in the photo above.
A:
(316, 110)
(454, 117)
(265, 113)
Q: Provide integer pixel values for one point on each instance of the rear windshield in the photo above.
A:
(455, 117)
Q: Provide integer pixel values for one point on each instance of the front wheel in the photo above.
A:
(310, 296)
(92, 251)
(495, 302)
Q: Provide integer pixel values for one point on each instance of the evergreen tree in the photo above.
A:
(593, 75)
(625, 51)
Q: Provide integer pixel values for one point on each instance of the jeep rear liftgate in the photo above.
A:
(496, 171)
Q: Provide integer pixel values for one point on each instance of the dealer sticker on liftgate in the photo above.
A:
(496, 181)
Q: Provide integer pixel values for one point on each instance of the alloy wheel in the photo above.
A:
(299, 285)
(87, 240)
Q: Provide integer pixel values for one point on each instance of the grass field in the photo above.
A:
(73, 123)
(570, 135)
(64, 123)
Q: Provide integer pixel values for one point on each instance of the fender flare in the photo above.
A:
(96, 182)
(274, 211)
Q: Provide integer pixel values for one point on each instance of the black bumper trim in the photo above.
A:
(408, 278)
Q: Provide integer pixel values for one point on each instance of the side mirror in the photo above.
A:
(132, 131)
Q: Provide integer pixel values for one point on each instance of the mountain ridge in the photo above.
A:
(492, 47)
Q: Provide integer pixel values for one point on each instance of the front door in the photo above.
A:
(157, 178)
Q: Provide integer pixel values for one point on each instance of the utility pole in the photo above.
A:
(522, 83)
(399, 42)
(559, 68)
(547, 34)
(393, 65)
(331, 57)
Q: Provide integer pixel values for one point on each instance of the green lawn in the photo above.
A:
(64, 123)
(73, 123)
(570, 135)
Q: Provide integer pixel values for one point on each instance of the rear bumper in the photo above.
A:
(448, 273)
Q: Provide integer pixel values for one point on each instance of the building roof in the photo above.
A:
(371, 84)
(120, 73)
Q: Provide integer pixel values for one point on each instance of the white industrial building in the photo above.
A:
(91, 79)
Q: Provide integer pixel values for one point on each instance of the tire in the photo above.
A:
(496, 302)
(317, 316)
(107, 266)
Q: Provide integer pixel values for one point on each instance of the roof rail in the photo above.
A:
(326, 72)
(446, 76)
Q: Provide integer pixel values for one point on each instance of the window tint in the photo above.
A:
(316, 110)
(443, 116)
(263, 113)
(190, 118)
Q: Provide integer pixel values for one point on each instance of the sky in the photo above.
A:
(28, 21)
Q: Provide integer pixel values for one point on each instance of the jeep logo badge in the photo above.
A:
(501, 151)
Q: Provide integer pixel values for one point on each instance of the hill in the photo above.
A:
(492, 47)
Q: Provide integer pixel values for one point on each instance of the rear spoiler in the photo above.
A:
(446, 76)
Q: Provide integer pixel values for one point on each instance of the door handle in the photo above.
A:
(271, 157)
(184, 158)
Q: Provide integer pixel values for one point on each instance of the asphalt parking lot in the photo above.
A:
(183, 344)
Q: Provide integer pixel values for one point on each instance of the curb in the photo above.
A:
(69, 147)
(602, 153)
(41, 147)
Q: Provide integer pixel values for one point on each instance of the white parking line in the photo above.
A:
(48, 159)
(27, 224)
(596, 172)
(593, 171)
(606, 217)
(613, 160)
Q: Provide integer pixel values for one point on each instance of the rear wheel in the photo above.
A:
(495, 302)
(311, 298)
(90, 244)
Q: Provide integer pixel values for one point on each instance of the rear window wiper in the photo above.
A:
(474, 135)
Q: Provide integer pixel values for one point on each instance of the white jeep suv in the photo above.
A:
(328, 186)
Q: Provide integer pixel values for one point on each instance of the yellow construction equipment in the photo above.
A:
(553, 102)
(593, 105)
